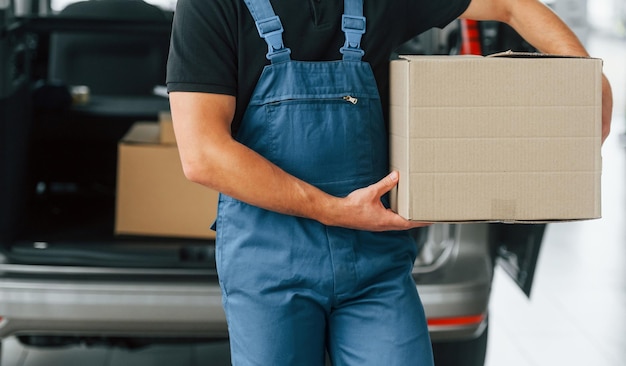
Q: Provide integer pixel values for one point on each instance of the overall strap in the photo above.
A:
(353, 25)
(270, 29)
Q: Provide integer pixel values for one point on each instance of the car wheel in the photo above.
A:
(462, 353)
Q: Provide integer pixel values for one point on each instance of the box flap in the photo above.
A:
(404, 58)
(515, 54)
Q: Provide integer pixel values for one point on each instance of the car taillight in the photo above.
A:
(438, 245)
(456, 321)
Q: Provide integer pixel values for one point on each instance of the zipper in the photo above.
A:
(351, 99)
(347, 98)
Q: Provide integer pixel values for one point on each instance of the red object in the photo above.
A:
(470, 38)
(461, 320)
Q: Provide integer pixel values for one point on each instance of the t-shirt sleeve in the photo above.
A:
(202, 55)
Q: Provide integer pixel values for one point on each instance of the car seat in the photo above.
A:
(110, 63)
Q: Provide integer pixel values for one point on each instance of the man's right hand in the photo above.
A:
(363, 209)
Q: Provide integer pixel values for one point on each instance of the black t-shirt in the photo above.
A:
(215, 46)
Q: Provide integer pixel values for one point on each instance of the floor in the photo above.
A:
(577, 312)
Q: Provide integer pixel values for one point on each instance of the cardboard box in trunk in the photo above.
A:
(166, 128)
(511, 138)
(153, 195)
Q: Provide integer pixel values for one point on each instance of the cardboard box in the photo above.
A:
(511, 138)
(153, 195)
(166, 128)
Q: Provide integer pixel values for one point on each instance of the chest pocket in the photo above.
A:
(330, 134)
(323, 141)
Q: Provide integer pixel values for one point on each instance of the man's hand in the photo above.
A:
(607, 107)
(363, 209)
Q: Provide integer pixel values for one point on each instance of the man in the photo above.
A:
(276, 106)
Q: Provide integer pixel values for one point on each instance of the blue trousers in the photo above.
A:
(289, 294)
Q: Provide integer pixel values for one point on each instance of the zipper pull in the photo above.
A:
(351, 99)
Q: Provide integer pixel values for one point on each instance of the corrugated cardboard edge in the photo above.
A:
(512, 222)
(403, 168)
(516, 54)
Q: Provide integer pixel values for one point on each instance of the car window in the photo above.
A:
(58, 5)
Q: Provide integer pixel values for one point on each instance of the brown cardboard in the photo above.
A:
(166, 127)
(153, 195)
(505, 139)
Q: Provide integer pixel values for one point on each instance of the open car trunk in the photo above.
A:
(58, 169)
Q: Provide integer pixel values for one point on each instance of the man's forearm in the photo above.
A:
(212, 158)
(533, 20)
(243, 174)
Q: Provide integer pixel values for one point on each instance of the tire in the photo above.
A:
(462, 353)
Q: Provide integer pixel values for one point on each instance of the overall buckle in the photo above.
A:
(271, 29)
(354, 27)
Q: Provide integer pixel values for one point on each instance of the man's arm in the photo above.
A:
(543, 29)
(211, 157)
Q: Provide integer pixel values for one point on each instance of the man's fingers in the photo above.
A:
(387, 183)
(607, 107)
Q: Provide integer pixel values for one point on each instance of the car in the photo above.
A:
(67, 278)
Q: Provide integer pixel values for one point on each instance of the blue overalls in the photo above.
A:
(293, 287)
